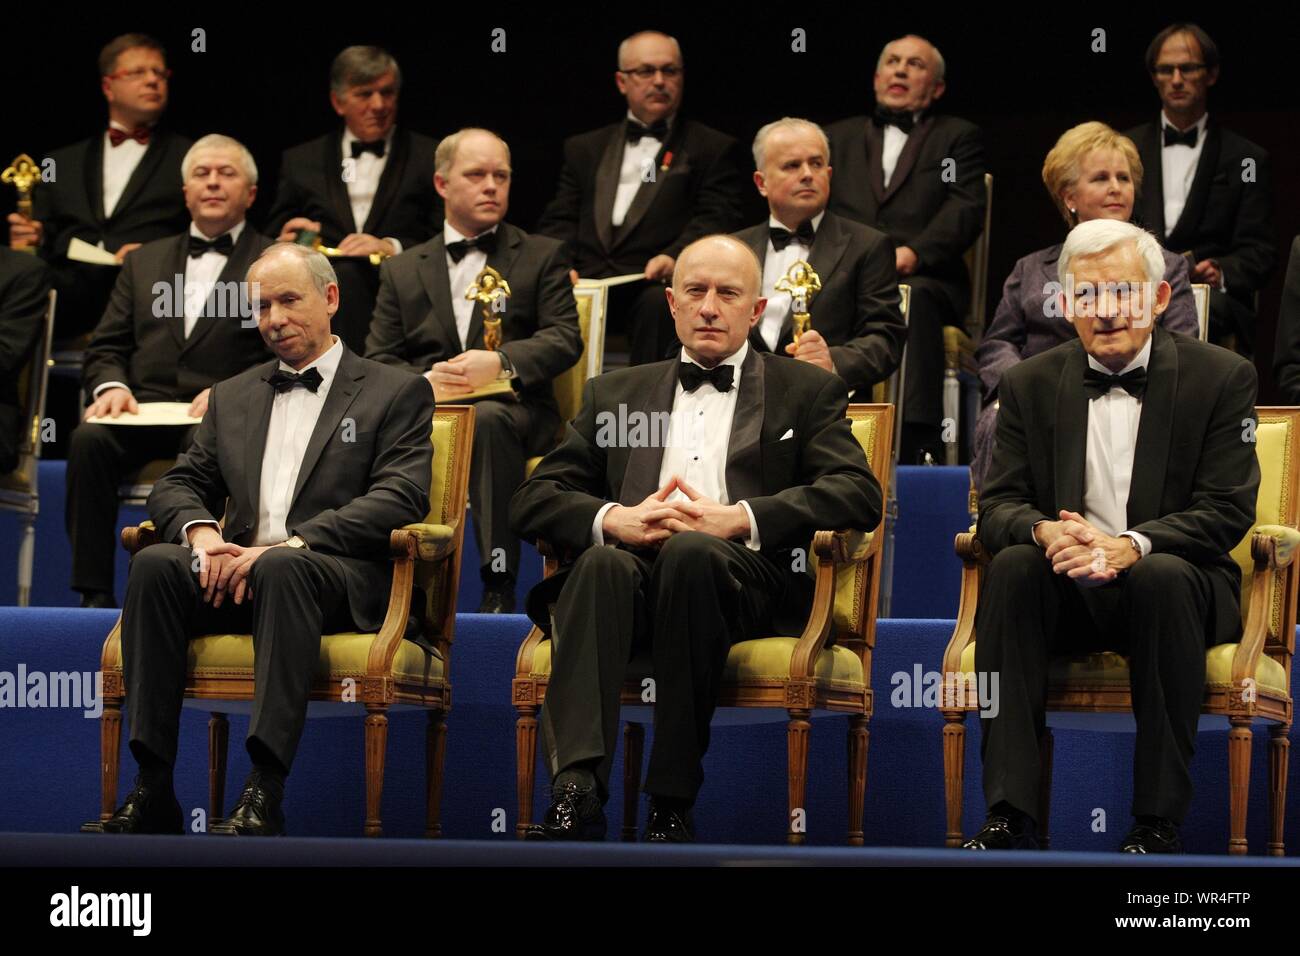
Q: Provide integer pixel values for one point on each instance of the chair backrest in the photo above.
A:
(452, 436)
(857, 586)
(1201, 295)
(977, 263)
(592, 299)
(33, 382)
(1277, 448)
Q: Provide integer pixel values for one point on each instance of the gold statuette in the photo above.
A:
(802, 283)
(23, 174)
(313, 239)
(488, 290)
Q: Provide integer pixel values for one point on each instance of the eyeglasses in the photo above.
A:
(1189, 70)
(141, 73)
(648, 72)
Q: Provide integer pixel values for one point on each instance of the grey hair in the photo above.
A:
(940, 68)
(358, 65)
(219, 141)
(623, 47)
(318, 267)
(445, 154)
(1101, 235)
(786, 122)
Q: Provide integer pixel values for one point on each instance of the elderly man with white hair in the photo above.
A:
(1120, 481)
(176, 323)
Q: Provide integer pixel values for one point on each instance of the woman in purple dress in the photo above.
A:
(1092, 172)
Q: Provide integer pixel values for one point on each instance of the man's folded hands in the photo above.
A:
(653, 521)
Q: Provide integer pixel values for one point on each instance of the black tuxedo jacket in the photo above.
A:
(414, 325)
(151, 205)
(816, 479)
(350, 494)
(24, 297)
(1225, 218)
(699, 194)
(857, 309)
(1194, 479)
(1286, 353)
(151, 354)
(938, 220)
(406, 205)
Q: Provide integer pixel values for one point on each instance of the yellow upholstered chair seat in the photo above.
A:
(15, 481)
(341, 655)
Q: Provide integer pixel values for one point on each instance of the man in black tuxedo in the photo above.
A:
(919, 178)
(856, 328)
(1286, 352)
(24, 297)
(1208, 192)
(365, 189)
(1121, 455)
(634, 194)
(309, 506)
(699, 529)
(116, 190)
(425, 322)
(178, 321)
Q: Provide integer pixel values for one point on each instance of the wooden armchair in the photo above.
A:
(826, 669)
(371, 671)
(1245, 682)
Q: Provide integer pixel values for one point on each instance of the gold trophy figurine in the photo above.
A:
(491, 291)
(802, 283)
(23, 174)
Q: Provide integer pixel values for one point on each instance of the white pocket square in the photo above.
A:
(788, 434)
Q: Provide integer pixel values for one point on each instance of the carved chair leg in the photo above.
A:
(1279, 746)
(218, 748)
(797, 731)
(435, 750)
(376, 747)
(1239, 740)
(858, 741)
(1046, 745)
(110, 744)
(525, 766)
(954, 772)
(633, 747)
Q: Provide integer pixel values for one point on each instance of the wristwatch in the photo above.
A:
(507, 367)
(297, 542)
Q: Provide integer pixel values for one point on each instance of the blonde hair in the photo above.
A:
(445, 155)
(1061, 167)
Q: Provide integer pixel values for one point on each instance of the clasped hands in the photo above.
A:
(223, 565)
(655, 520)
(463, 374)
(1072, 545)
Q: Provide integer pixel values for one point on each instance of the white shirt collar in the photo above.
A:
(775, 223)
(670, 119)
(1143, 357)
(736, 359)
(327, 364)
(234, 233)
(1199, 124)
(450, 233)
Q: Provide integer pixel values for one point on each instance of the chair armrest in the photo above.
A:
(1275, 545)
(423, 542)
(136, 538)
(844, 547)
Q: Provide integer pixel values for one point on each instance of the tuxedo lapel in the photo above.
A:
(1155, 430)
(175, 262)
(144, 172)
(502, 258)
(744, 466)
(94, 173)
(437, 286)
(1071, 446)
(336, 192)
(907, 158)
(646, 192)
(257, 421)
(828, 248)
(641, 474)
(1198, 195)
(611, 162)
(390, 181)
(346, 385)
(1153, 193)
(875, 163)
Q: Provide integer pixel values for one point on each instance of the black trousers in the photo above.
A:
(1159, 616)
(297, 596)
(99, 459)
(935, 303)
(642, 309)
(506, 435)
(689, 603)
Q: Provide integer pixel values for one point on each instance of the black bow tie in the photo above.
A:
(461, 248)
(221, 244)
(283, 381)
(1187, 138)
(377, 147)
(692, 376)
(884, 116)
(1099, 383)
(783, 237)
(635, 131)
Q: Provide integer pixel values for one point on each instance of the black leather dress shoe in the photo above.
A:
(146, 810)
(1158, 837)
(668, 826)
(97, 599)
(576, 814)
(497, 600)
(256, 814)
(999, 834)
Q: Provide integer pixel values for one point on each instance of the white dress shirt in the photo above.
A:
(775, 266)
(1178, 169)
(699, 434)
(461, 276)
(1113, 421)
(119, 163)
(367, 169)
(637, 158)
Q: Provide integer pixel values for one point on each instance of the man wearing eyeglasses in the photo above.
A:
(1208, 193)
(116, 190)
(634, 194)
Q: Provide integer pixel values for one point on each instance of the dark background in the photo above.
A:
(1024, 78)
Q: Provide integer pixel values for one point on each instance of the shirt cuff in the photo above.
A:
(106, 386)
(597, 526)
(751, 541)
(396, 244)
(1143, 542)
(185, 529)
(1033, 531)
